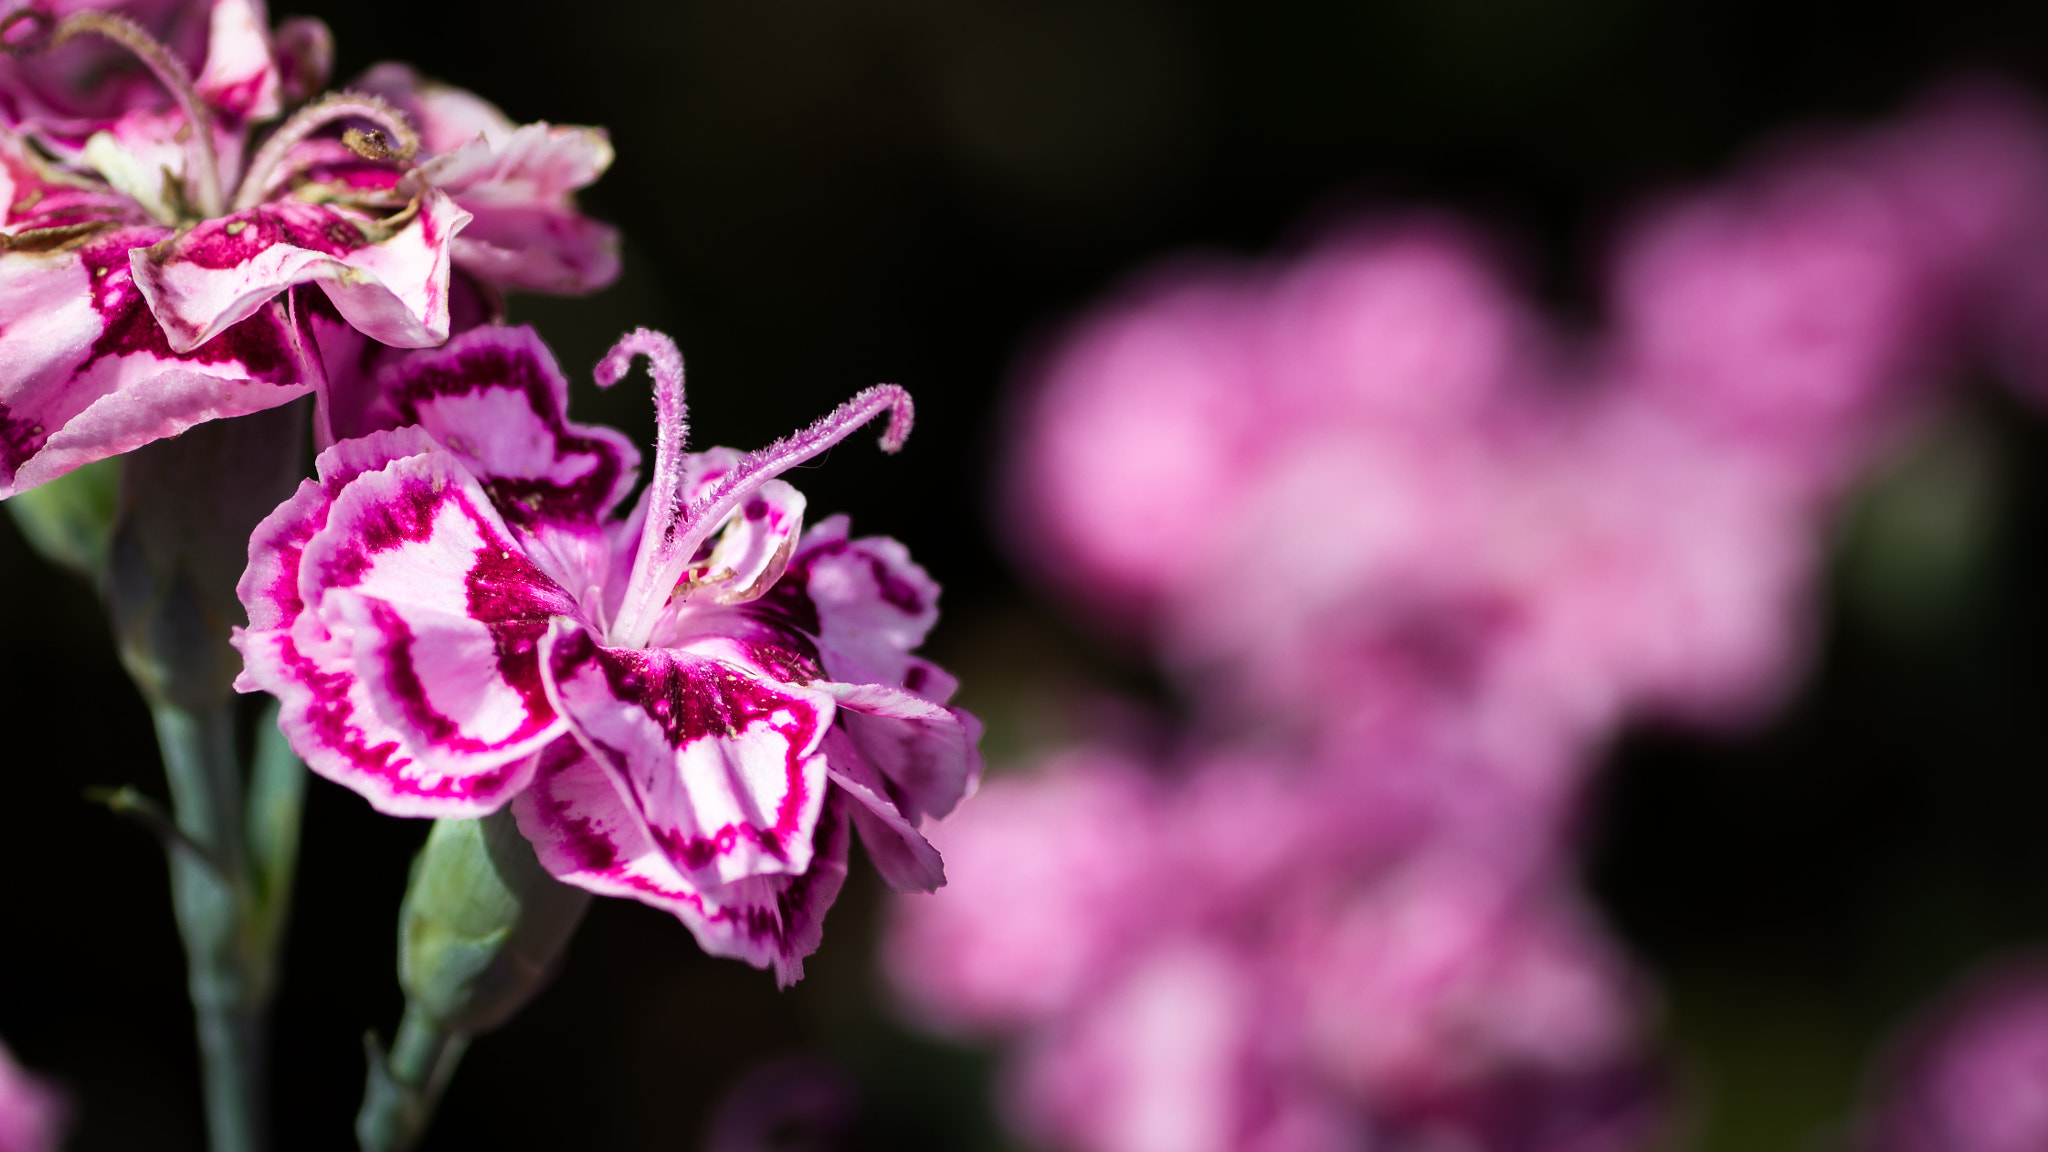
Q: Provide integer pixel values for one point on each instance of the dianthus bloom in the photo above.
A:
(31, 1113)
(1974, 1076)
(691, 705)
(157, 254)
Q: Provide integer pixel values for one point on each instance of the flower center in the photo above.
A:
(676, 528)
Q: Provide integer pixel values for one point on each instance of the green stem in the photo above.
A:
(227, 965)
(168, 562)
(405, 1088)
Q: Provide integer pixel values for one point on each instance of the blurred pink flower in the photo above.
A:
(1974, 1076)
(1368, 487)
(1253, 955)
(692, 704)
(31, 1113)
(1378, 520)
(157, 258)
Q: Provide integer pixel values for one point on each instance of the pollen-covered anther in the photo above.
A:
(387, 124)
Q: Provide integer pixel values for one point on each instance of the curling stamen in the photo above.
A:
(663, 555)
(162, 63)
(390, 122)
(665, 491)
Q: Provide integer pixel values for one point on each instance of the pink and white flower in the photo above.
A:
(692, 705)
(158, 258)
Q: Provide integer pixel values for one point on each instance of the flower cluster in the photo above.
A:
(1415, 555)
(691, 698)
(693, 703)
(164, 222)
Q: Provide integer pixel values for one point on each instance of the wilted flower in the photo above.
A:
(31, 1113)
(692, 704)
(157, 271)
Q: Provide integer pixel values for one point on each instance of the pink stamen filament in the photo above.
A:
(667, 544)
(672, 434)
(170, 72)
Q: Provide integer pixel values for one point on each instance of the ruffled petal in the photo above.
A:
(496, 400)
(86, 373)
(394, 288)
(464, 693)
(355, 725)
(586, 833)
(723, 765)
(35, 198)
(534, 164)
(354, 364)
(527, 232)
(927, 752)
(442, 612)
(327, 714)
(873, 604)
(900, 853)
(447, 117)
(540, 248)
(240, 78)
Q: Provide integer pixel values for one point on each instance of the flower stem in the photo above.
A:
(177, 544)
(228, 965)
(405, 1087)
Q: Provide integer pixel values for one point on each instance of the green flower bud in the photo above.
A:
(480, 933)
(483, 924)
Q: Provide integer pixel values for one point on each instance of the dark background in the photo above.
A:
(820, 194)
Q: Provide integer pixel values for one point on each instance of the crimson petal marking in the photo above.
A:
(722, 765)
(496, 399)
(327, 714)
(585, 833)
(269, 588)
(32, 195)
(465, 694)
(927, 752)
(85, 372)
(396, 290)
(443, 614)
(899, 852)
